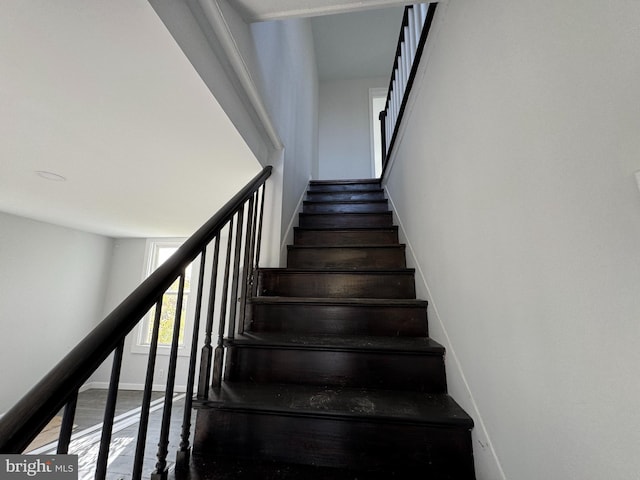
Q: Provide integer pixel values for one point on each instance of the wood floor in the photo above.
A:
(86, 433)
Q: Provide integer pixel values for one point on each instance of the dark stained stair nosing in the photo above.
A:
(347, 343)
(354, 187)
(384, 302)
(387, 213)
(337, 190)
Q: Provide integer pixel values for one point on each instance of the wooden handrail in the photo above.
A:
(20, 425)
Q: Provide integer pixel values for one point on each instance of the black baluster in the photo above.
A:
(109, 413)
(254, 239)
(259, 241)
(161, 471)
(138, 460)
(218, 356)
(207, 350)
(182, 457)
(254, 235)
(64, 438)
(247, 267)
(236, 274)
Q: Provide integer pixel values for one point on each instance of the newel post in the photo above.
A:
(383, 135)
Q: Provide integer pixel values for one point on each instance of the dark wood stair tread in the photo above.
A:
(349, 229)
(339, 402)
(345, 235)
(362, 188)
(345, 181)
(359, 343)
(345, 206)
(346, 220)
(352, 257)
(345, 214)
(333, 246)
(394, 302)
(364, 195)
(320, 271)
(344, 202)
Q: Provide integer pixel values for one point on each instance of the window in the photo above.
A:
(158, 251)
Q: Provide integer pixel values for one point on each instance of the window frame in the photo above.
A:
(150, 260)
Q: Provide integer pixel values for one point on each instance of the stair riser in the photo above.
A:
(368, 207)
(345, 196)
(388, 370)
(339, 320)
(444, 453)
(346, 237)
(336, 285)
(347, 187)
(368, 257)
(355, 220)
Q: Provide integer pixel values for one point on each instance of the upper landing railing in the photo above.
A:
(416, 23)
(225, 281)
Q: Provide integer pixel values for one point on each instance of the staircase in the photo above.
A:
(335, 375)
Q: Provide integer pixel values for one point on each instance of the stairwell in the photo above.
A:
(334, 375)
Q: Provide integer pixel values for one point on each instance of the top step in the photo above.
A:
(368, 184)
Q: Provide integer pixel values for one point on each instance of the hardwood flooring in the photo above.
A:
(85, 439)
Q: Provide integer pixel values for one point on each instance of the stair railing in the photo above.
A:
(414, 31)
(59, 388)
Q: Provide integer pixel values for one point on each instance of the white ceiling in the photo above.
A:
(100, 93)
(259, 10)
(357, 44)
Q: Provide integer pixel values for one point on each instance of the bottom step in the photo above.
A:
(356, 429)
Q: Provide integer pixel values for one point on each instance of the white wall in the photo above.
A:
(514, 184)
(52, 283)
(279, 59)
(188, 24)
(127, 272)
(344, 138)
(205, 46)
(286, 59)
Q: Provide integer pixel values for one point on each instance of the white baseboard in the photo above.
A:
(480, 433)
(160, 387)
